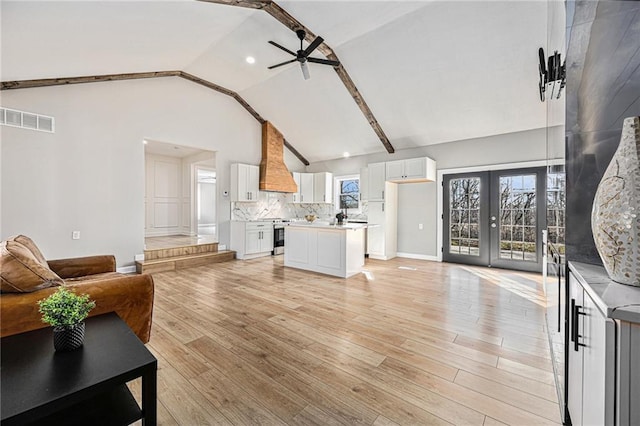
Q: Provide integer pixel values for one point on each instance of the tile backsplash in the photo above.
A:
(277, 205)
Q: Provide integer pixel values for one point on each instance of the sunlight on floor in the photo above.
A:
(515, 287)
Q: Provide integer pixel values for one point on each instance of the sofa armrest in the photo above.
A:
(129, 296)
(82, 266)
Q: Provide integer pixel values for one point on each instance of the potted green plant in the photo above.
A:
(66, 311)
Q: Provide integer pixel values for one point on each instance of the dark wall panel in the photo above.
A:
(603, 88)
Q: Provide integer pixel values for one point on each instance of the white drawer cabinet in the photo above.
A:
(251, 239)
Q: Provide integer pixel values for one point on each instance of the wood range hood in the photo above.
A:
(274, 174)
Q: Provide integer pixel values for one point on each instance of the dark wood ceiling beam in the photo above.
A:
(249, 4)
(46, 82)
(226, 91)
(285, 18)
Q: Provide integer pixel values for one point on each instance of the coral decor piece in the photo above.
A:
(615, 220)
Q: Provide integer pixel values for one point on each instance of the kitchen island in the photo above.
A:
(336, 250)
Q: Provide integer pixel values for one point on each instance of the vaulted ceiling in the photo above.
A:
(431, 71)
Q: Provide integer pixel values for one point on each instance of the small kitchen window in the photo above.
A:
(348, 193)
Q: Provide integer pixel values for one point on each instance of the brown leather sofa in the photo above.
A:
(26, 277)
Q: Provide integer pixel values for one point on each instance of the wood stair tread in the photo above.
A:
(185, 257)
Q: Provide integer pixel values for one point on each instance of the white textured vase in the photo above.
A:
(615, 218)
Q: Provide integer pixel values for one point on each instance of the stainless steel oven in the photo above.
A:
(278, 239)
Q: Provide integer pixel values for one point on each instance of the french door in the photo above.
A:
(495, 218)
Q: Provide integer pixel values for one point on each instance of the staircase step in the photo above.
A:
(183, 262)
(165, 253)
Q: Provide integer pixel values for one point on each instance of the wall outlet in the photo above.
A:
(420, 226)
(139, 257)
(75, 235)
(222, 247)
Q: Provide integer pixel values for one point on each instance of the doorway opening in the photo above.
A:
(205, 200)
(180, 195)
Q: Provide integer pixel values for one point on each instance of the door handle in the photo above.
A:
(576, 317)
(559, 296)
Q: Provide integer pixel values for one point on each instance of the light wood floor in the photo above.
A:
(252, 342)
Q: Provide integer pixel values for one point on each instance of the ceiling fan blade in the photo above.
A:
(323, 61)
(314, 44)
(305, 70)
(281, 64)
(282, 47)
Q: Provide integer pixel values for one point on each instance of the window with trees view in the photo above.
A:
(348, 193)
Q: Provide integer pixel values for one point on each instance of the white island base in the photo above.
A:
(336, 250)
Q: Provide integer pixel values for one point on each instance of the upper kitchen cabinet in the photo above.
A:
(364, 184)
(245, 180)
(295, 196)
(421, 169)
(323, 187)
(306, 188)
(377, 178)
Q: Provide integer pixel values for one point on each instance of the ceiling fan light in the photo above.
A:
(305, 70)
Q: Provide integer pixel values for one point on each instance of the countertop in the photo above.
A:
(615, 300)
(324, 225)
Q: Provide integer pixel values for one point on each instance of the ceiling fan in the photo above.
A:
(302, 55)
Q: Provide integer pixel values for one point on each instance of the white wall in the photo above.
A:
(417, 203)
(89, 175)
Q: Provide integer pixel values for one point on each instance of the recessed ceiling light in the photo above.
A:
(346, 154)
(250, 60)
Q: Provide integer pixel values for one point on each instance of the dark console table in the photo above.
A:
(86, 386)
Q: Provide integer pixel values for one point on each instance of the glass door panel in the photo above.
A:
(465, 211)
(516, 220)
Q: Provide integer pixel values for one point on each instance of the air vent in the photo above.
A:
(26, 120)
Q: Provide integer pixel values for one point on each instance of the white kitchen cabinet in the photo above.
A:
(323, 187)
(295, 197)
(382, 240)
(251, 239)
(603, 381)
(422, 169)
(377, 179)
(364, 184)
(306, 187)
(337, 251)
(245, 180)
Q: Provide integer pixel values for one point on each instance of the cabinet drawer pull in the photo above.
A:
(575, 318)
